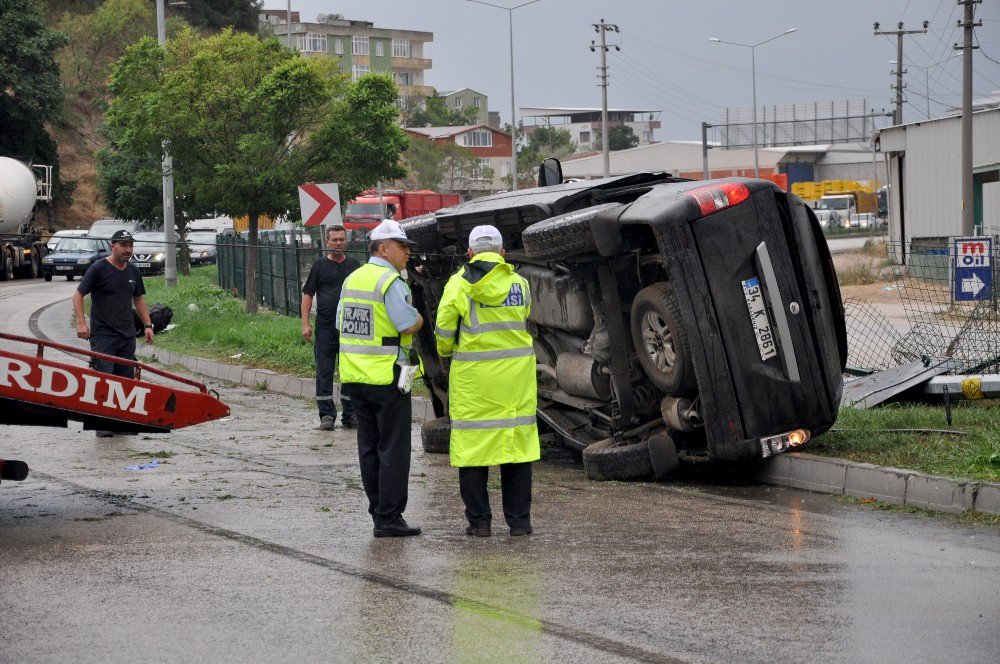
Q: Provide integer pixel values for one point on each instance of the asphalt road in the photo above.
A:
(251, 543)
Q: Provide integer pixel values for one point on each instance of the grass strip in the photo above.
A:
(864, 436)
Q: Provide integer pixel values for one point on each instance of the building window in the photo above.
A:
(458, 102)
(477, 102)
(483, 169)
(338, 46)
(585, 137)
(379, 49)
(312, 42)
(359, 45)
(400, 48)
(360, 70)
(403, 77)
(504, 168)
(476, 139)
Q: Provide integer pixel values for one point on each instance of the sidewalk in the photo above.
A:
(796, 470)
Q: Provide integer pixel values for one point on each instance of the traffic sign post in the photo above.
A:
(320, 204)
(972, 269)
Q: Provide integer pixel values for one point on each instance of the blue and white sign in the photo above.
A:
(973, 271)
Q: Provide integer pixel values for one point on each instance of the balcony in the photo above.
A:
(411, 63)
(422, 90)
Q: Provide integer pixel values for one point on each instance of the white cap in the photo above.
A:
(390, 230)
(485, 236)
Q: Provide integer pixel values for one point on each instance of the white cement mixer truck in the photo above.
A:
(23, 188)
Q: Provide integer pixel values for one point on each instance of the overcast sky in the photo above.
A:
(667, 62)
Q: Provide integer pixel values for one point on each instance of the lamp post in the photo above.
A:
(169, 230)
(513, 120)
(753, 74)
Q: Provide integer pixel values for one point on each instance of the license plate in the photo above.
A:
(64, 267)
(762, 327)
(142, 264)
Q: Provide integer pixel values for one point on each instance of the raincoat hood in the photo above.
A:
(488, 276)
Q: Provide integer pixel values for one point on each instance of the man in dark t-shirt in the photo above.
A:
(324, 282)
(115, 286)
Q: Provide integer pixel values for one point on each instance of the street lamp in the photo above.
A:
(169, 231)
(927, 77)
(513, 121)
(753, 70)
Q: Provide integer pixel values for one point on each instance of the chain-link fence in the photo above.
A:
(283, 262)
(942, 303)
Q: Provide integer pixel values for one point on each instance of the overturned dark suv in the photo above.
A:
(673, 320)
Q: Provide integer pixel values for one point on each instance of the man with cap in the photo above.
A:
(376, 320)
(115, 286)
(492, 387)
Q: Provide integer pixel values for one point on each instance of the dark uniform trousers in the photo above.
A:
(326, 350)
(515, 486)
(117, 345)
(383, 414)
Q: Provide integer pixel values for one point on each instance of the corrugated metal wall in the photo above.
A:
(932, 187)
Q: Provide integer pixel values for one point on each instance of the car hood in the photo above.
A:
(71, 255)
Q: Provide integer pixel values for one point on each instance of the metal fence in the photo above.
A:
(929, 309)
(283, 263)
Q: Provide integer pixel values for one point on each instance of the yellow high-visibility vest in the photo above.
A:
(492, 386)
(369, 343)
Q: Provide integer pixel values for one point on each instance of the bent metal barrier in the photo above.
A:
(35, 391)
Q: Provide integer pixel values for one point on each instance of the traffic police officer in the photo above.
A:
(492, 388)
(376, 321)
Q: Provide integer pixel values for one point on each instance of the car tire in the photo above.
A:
(563, 236)
(660, 341)
(662, 455)
(424, 231)
(605, 461)
(36, 265)
(435, 435)
(47, 277)
(70, 277)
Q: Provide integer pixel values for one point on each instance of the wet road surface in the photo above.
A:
(251, 543)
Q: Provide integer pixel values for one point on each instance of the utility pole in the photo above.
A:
(899, 32)
(968, 208)
(289, 23)
(603, 28)
(169, 231)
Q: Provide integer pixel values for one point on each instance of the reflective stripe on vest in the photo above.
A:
(364, 326)
(493, 424)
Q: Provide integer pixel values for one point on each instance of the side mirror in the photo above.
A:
(550, 172)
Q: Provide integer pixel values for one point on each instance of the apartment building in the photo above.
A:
(584, 124)
(360, 47)
(468, 98)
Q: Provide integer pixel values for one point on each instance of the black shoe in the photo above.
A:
(348, 422)
(397, 528)
(326, 423)
(104, 434)
(520, 532)
(478, 531)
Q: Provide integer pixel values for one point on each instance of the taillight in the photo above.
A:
(717, 197)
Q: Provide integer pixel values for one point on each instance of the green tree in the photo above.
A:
(248, 120)
(433, 111)
(551, 142)
(214, 15)
(620, 137)
(30, 95)
(444, 166)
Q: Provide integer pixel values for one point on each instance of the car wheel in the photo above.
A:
(7, 273)
(604, 460)
(563, 236)
(36, 265)
(662, 455)
(660, 341)
(47, 277)
(424, 231)
(435, 435)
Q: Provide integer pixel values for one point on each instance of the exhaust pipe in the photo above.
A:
(679, 414)
(14, 471)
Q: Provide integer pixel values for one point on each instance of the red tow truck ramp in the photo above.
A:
(36, 391)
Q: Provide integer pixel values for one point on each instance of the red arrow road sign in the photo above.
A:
(326, 204)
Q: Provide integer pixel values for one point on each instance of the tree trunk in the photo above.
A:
(253, 219)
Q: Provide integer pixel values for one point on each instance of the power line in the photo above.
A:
(900, 32)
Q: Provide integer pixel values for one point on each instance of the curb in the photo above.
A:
(295, 386)
(888, 485)
(796, 470)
